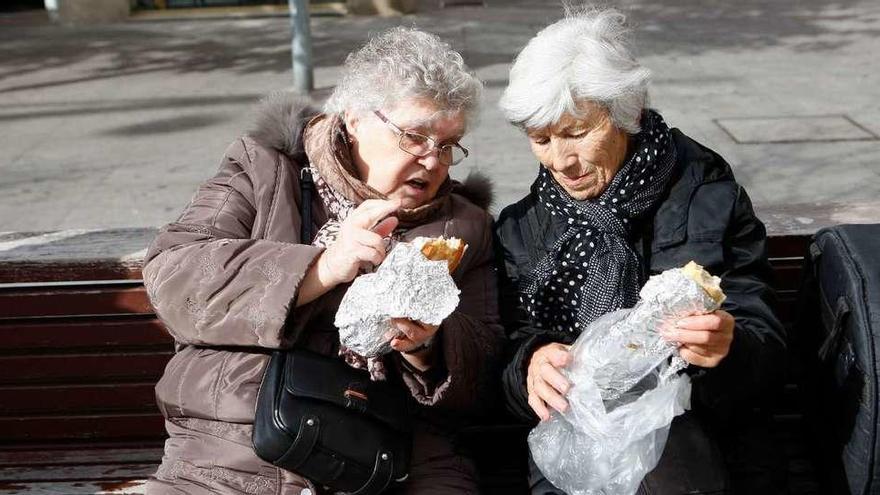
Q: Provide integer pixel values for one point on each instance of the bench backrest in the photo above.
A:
(80, 346)
(81, 350)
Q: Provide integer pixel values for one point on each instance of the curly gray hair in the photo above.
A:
(402, 63)
(584, 56)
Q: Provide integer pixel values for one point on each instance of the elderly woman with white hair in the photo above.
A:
(620, 196)
(233, 279)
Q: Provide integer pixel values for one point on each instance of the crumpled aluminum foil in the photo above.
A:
(623, 353)
(406, 285)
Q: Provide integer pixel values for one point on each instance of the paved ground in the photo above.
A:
(114, 126)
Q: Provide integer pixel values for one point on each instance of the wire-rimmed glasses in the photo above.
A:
(420, 145)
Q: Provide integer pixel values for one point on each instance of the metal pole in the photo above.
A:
(301, 45)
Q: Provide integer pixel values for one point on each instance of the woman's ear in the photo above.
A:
(351, 121)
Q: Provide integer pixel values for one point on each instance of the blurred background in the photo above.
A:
(113, 111)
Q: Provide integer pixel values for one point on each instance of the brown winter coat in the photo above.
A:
(226, 274)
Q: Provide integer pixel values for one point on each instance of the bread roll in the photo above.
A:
(708, 282)
(440, 248)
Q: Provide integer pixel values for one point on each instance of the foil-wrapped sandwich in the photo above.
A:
(413, 282)
(625, 389)
(631, 348)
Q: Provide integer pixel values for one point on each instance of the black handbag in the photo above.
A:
(324, 420)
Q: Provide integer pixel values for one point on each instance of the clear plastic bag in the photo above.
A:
(625, 393)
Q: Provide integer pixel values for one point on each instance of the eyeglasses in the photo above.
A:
(420, 145)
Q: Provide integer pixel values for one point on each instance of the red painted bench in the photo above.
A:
(80, 352)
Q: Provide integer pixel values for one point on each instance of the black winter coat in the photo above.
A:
(707, 217)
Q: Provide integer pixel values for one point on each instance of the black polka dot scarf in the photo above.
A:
(591, 269)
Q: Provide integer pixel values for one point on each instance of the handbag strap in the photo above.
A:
(307, 187)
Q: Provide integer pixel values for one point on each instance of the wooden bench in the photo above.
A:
(80, 352)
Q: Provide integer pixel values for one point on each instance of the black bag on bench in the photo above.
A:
(840, 324)
(324, 420)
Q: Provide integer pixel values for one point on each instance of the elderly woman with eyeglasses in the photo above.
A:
(619, 195)
(231, 278)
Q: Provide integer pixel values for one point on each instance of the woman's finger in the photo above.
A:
(412, 331)
(703, 351)
(402, 343)
(681, 336)
(391, 334)
(558, 355)
(415, 332)
(711, 322)
(426, 327)
(371, 212)
(370, 240)
(698, 360)
(367, 238)
(552, 376)
(549, 395)
(539, 407)
(385, 227)
(369, 254)
(369, 205)
(417, 329)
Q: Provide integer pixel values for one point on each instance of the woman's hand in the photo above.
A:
(704, 339)
(409, 335)
(544, 381)
(360, 243)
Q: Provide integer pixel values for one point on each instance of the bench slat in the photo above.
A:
(129, 298)
(83, 368)
(64, 334)
(42, 271)
(88, 472)
(79, 399)
(93, 428)
(788, 246)
(49, 456)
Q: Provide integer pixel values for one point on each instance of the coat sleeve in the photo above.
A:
(464, 381)
(210, 281)
(522, 338)
(754, 366)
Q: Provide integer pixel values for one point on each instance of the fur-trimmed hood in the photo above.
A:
(279, 121)
(282, 116)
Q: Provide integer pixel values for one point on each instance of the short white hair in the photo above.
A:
(584, 56)
(403, 63)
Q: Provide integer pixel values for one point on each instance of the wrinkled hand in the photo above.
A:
(704, 340)
(360, 241)
(545, 383)
(409, 334)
